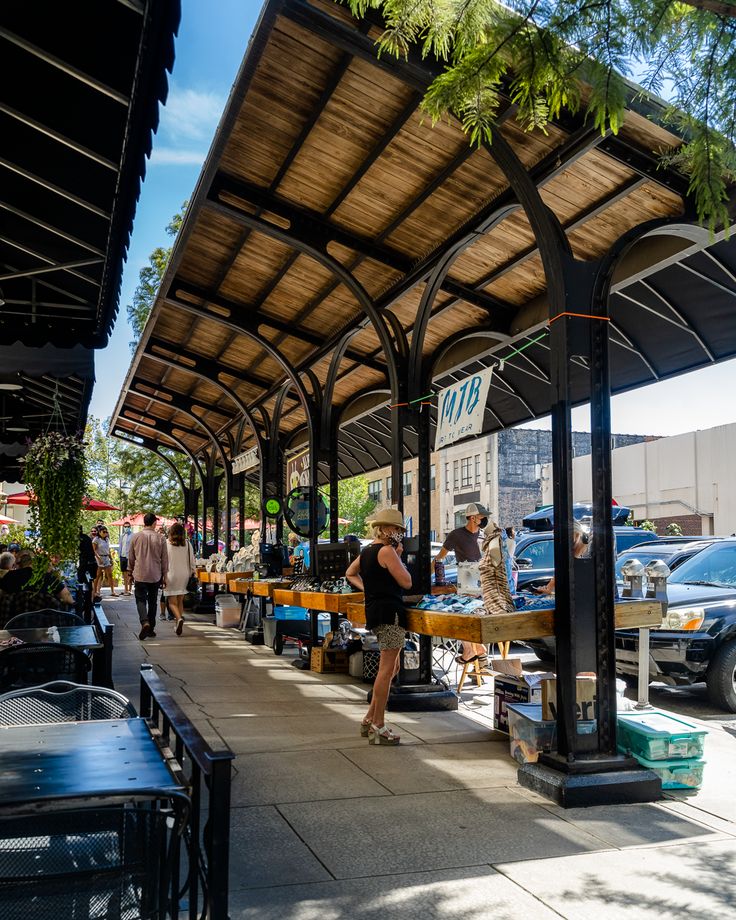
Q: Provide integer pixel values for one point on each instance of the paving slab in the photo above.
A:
(265, 851)
(634, 825)
(306, 776)
(434, 768)
(438, 727)
(440, 830)
(693, 880)
(240, 690)
(470, 894)
(292, 733)
(316, 708)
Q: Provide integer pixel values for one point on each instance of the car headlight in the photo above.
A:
(685, 618)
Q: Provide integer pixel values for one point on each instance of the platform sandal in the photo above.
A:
(382, 735)
(365, 728)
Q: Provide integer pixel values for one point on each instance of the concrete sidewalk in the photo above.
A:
(327, 827)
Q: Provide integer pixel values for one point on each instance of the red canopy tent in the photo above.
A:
(8, 520)
(89, 504)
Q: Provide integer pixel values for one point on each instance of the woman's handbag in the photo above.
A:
(193, 583)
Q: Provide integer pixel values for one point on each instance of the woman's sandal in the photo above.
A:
(461, 660)
(365, 728)
(382, 735)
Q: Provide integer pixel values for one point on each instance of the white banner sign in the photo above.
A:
(246, 461)
(460, 409)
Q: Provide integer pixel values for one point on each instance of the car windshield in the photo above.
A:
(715, 565)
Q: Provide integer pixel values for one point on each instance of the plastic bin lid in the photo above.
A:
(656, 723)
(226, 600)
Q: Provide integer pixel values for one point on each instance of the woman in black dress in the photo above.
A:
(381, 574)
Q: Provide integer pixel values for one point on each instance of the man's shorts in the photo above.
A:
(123, 563)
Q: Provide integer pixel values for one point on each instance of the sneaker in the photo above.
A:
(145, 631)
(152, 634)
(162, 616)
(179, 626)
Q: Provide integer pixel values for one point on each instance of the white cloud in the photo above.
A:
(169, 156)
(190, 115)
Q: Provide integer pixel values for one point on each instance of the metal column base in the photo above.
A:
(420, 698)
(581, 789)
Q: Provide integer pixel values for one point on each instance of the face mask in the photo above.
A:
(394, 538)
(483, 522)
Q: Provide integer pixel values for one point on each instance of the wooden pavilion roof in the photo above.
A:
(324, 164)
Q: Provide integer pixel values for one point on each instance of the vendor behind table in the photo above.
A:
(464, 542)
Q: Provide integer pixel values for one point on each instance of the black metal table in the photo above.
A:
(84, 638)
(85, 818)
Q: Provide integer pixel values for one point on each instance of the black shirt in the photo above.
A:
(383, 597)
(464, 544)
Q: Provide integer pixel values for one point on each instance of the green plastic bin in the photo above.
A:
(659, 736)
(676, 773)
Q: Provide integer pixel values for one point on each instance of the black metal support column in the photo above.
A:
(586, 769)
(241, 509)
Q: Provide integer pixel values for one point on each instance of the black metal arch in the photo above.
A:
(207, 370)
(167, 430)
(310, 246)
(152, 446)
(185, 406)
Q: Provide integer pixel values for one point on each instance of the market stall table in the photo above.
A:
(81, 637)
(316, 602)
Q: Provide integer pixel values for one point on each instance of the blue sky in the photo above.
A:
(212, 40)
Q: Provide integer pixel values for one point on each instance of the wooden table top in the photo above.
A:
(317, 600)
(508, 627)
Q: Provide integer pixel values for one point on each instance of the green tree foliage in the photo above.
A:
(547, 55)
(131, 478)
(354, 505)
(149, 280)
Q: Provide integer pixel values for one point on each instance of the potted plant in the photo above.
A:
(55, 474)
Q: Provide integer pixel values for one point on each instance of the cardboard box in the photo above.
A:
(586, 698)
(507, 688)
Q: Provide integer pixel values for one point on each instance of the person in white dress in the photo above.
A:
(181, 568)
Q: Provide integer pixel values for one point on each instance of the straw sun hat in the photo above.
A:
(389, 516)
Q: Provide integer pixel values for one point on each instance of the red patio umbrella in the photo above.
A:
(7, 520)
(89, 504)
(136, 520)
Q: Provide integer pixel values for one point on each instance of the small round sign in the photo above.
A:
(273, 507)
(297, 514)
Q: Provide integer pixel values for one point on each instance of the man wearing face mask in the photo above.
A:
(464, 542)
(125, 538)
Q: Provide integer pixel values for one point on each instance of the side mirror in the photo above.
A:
(523, 562)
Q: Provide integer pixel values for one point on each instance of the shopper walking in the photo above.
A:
(125, 537)
(103, 554)
(381, 574)
(181, 569)
(148, 564)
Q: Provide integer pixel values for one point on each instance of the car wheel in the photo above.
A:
(721, 678)
(278, 645)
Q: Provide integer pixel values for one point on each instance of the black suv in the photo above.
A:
(697, 641)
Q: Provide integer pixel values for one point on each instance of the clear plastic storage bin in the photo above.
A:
(659, 736)
(676, 774)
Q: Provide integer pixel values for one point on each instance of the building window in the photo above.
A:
(389, 492)
(407, 484)
(447, 477)
(477, 470)
(432, 478)
(374, 491)
(488, 466)
(456, 475)
(466, 472)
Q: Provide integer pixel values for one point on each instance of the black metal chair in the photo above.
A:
(38, 619)
(35, 663)
(62, 701)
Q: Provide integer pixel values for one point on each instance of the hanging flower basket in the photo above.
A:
(55, 474)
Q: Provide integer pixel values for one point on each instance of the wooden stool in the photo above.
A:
(476, 671)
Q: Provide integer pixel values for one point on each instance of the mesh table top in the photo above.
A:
(82, 637)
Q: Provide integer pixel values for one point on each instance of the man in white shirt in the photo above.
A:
(125, 538)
